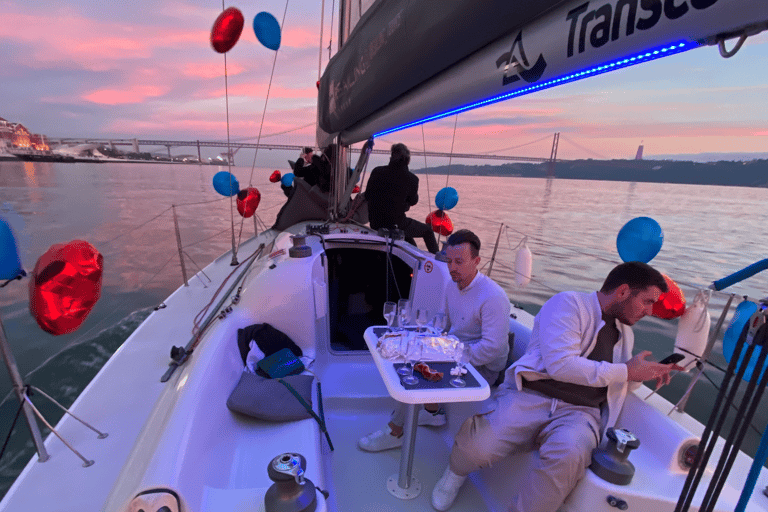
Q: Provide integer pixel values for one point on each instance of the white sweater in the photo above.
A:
(479, 316)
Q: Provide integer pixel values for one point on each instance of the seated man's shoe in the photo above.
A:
(432, 419)
(446, 489)
(380, 440)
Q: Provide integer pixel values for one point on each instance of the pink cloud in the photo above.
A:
(300, 37)
(208, 70)
(259, 90)
(80, 42)
(136, 94)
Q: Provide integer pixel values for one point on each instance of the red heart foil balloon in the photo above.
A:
(440, 222)
(65, 285)
(356, 189)
(227, 29)
(247, 201)
(671, 304)
(275, 177)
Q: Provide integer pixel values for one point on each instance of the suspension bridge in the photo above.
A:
(233, 147)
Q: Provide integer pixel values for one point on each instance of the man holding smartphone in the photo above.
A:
(566, 389)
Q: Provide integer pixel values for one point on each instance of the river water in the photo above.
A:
(124, 210)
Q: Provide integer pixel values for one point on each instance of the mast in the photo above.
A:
(339, 165)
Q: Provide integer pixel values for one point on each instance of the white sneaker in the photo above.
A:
(446, 489)
(432, 419)
(380, 440)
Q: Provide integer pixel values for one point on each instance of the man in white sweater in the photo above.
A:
(478, 314)
(564, 391)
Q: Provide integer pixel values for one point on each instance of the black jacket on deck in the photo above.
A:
(391, 191)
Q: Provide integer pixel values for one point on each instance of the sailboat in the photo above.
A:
(159, 433)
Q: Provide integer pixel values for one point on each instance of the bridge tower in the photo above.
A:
(553, 156)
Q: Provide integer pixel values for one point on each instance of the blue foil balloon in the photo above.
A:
(287, 179)
(225, 183)
(639, 240)
(10, 264)
(267, 30)
(446, 198)
(741, 317)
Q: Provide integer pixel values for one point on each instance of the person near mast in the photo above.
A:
(563, 393)
(391, 191)
(477, 311)
(316, 169)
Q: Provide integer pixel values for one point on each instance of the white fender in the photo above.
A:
(523, 265)
(693, 330)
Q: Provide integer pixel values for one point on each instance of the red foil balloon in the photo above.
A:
(671, 304)
(65, 285)
(227, 29)
(356, 189)
(275, 177)
(247, 201)
(440, 222)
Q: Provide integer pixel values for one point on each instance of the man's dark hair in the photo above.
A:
(308, 150)
(465, 236)
(400, 153)
(637, 275)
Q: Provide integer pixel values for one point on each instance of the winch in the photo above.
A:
(291, 492)
(610, 463)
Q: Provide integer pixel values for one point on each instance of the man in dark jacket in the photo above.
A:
(316, 169)
(391, 191)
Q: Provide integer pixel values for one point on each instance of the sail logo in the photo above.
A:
(516, 65)
(605, 23)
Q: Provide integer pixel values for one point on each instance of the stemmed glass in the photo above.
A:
(390, 311)
(422, 317)
(405, 344)
(413, 353)
(439, 323)
(461, 355)
(404, 312)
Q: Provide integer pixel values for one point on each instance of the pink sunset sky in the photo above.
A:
(145, 69)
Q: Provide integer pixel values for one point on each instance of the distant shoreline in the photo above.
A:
(752, 173)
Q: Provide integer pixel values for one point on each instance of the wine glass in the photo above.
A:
(422, 317)
(412, 355)
(461, 355)
(439, 323)
(404, 312)
(390, 311)
(405, 340)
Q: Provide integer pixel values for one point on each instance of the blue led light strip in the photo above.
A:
(646, 56)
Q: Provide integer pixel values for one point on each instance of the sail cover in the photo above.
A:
(398, 44)
(409, 62)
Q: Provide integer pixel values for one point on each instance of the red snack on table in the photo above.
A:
(428, 373)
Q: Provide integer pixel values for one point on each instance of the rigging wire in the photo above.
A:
(330, 40)
(320, 46)
(294, 129)
(426, 169)
(136, 227)
(261, 126)
(229, 152)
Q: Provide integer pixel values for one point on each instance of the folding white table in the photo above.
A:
(404, 485)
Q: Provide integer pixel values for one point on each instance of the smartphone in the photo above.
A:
(672, 358)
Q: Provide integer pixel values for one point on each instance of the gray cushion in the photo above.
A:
(268, 399)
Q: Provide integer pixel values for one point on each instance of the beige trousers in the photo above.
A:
(565, 435)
